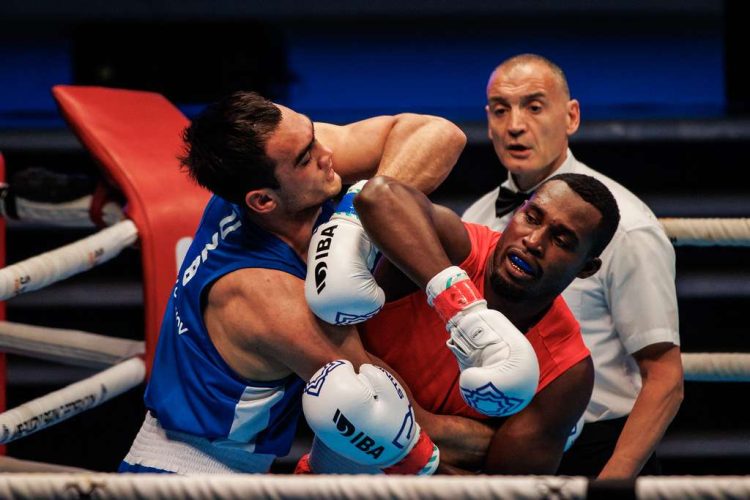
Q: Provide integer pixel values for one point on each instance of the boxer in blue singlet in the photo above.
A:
(238, 341)
(236, 424)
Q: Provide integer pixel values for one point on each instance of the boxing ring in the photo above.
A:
(136, 137)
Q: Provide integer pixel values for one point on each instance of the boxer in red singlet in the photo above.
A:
(553, 238)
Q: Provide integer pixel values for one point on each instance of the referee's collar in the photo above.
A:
(567, 167)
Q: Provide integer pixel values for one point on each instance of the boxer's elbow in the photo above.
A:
(455, 138)
(380, 193)
(448, 133)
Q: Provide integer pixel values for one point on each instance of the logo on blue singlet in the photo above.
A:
(227, 225)
(490, 400)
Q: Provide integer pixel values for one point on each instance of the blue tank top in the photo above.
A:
(191, 388)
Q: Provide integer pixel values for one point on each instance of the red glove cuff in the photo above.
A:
(303, 466)
(416, 460)
(456, 298)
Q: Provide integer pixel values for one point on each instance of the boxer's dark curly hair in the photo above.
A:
(596, 193)
(225, 146)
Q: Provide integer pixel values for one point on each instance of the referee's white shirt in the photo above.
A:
(628, 304)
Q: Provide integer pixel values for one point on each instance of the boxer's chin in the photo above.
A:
(507, 289)
(335, 185)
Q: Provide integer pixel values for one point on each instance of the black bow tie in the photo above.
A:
(508, 200)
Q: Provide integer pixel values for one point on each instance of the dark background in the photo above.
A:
(665, 112)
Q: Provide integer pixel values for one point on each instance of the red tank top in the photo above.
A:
(409, 336)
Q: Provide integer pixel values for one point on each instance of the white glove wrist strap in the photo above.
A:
(345, 208)
(444, 280)
(474, 339)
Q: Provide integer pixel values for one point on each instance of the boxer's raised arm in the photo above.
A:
(419, 150)
(340, 288)
(499, 369)
(418, 237)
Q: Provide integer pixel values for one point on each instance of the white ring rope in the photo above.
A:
(71, 400)
(241, 486)
(47, 268)
(707, 232)
(716, 367)
(72, 214)
(688, 487)
(71, 347)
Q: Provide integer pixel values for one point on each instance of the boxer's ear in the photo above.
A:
(261, 201)
(590, 268)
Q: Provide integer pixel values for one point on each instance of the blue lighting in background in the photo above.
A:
(345, 77)
(28, 70)
(612, 77)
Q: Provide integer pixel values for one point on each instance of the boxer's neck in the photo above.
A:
(523, 313)
(294, 229)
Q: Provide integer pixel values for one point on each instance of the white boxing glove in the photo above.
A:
(499, 368)
(367, 418)
(339, 286)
